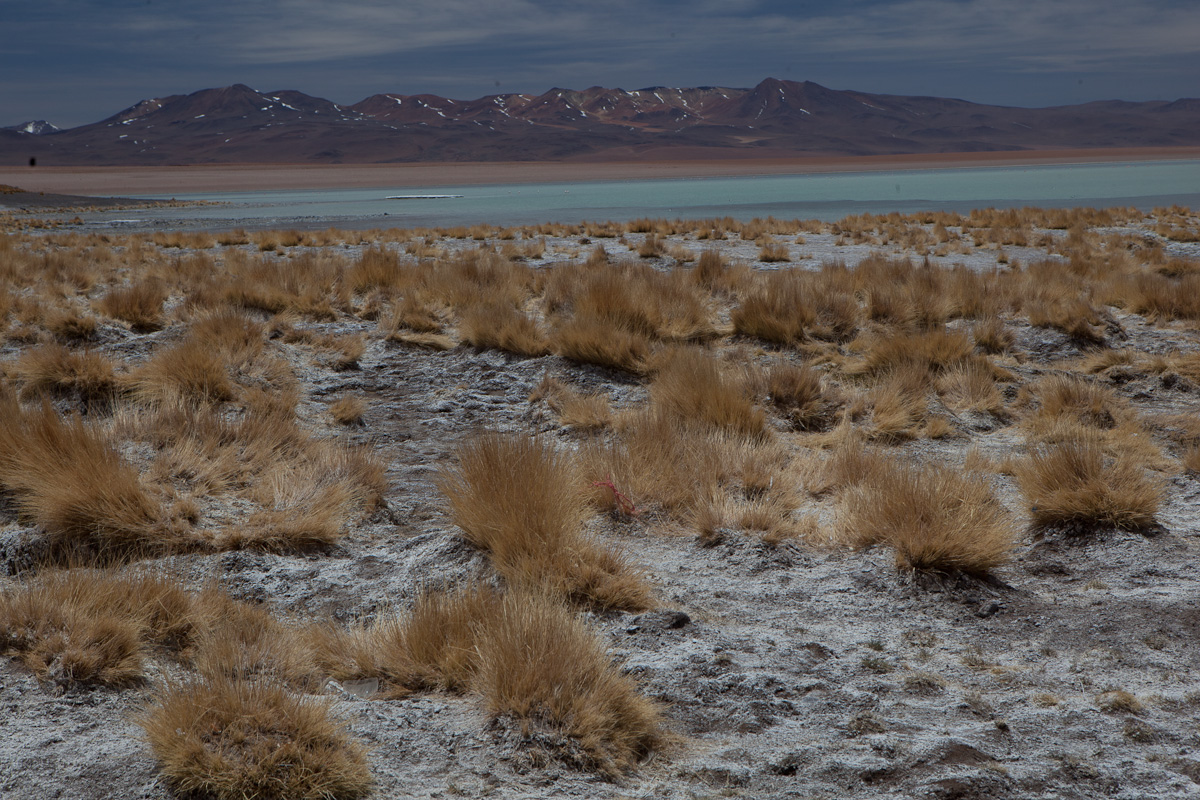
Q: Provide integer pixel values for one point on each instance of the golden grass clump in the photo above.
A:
(232, 739)
(433, 646)
(574, 409)
(84, 626)
(694, 387)
(69, 479)
(935, 518)
(140, 305)
(778, 308)
(528, 655)
(593, 341)
(348, 410)
(799, 395)
(307, 500)
(993, 336)
(541, 664)
(1074, 483)
(501, 326)
(523, 501)
(931, 351)
(57, 370)
(774, 252)
(189, 372)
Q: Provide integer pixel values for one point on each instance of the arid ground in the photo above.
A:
(893, 506)
(134, 181)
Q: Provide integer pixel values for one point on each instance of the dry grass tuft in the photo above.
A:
(694, 387)
(774, 252)
(1074, 483)
(528, 655)
(575, 410)
(798, 393)
(189, 372)
(140, 305)
(592, 341)
(935, 518)
(501, 326)
(541, 664)
(348, 410)
(523, 501)
(993, 336)
(432, 647)
(230, 740)
(778, 308)
(84, 626)
(69, 480)
(56, 370)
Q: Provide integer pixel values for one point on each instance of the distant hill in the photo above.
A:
(777, 118)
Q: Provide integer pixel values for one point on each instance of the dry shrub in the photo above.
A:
(344, 351)
(992, 335)
(661, 458)
(899, 403)
(778, 308)
(931, 351)
(236, 337)
(541, 664)
(501, 326)
(935, 518)
(522, 501)
(592, 341)
(54, 369)
(529, 656)
(140, 305)
(1068, 405)
(851, 463)
(434, 646)
(798, 393)
(1075, 484)
(348, 410)
(972, 386)
(307, 500)
(631, 299)
(69, 480)
(694, 387)
(774, 252)
(88, 626)
(309, 284)
(189, 372)
(414, 313)
(379, 268)
(650, 247)
(67, 324)
(711, 270)
(236, 640)
(462, 280)
(1191, 459)
(575, 410)
(231, 739)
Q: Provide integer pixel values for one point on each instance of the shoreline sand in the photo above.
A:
(142, 181)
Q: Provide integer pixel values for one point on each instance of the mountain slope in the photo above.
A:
(237, 124)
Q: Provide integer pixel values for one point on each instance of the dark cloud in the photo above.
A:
(75, 62)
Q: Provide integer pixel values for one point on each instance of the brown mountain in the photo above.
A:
(777, 118)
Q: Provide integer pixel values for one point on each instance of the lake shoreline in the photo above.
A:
(160, 181)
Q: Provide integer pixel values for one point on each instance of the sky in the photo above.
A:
(72, 62)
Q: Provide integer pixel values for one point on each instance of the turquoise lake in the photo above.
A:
(821, 196)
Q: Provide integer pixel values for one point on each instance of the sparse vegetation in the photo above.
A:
(672, 409)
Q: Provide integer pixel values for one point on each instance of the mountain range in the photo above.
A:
(776, 118)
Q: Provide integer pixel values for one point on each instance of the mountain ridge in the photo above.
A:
(776, 118)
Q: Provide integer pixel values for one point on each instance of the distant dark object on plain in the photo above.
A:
(32, 161)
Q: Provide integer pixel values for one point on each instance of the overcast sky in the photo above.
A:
(77, 62)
